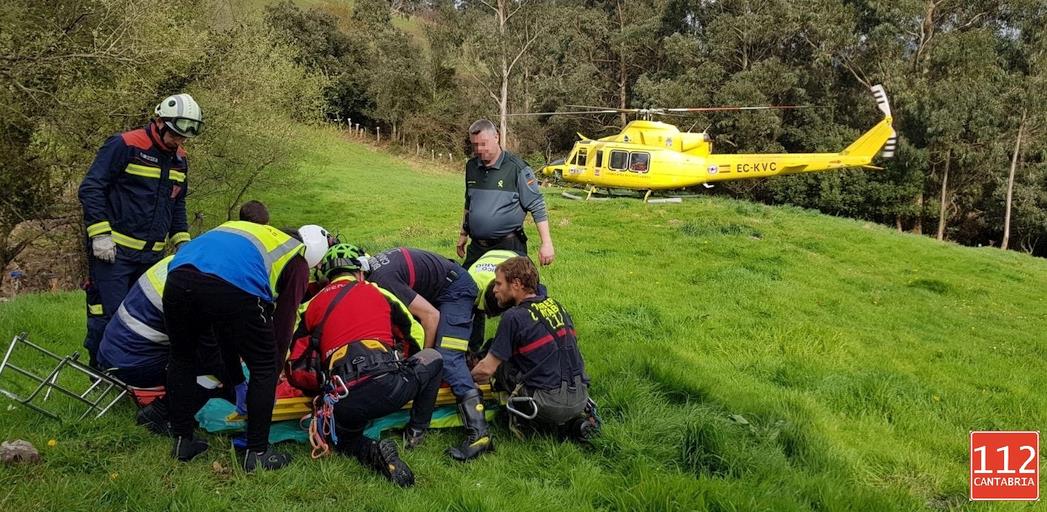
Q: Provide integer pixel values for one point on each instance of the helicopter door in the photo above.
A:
(582, 157)
(599, 159)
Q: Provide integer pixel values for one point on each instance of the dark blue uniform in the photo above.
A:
(526, 340)
(135, 192)
(536, 341)
(408, 273)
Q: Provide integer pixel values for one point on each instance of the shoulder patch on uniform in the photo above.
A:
(137, 138)
(532, 182)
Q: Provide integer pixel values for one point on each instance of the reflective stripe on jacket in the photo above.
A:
(135, 190)
(136, 336)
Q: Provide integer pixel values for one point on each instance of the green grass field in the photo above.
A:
(744, 357)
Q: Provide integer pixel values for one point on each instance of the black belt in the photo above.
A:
(489, 242)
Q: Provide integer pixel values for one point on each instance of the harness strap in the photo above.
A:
(361, 363)
(318, 331)
(566, 368)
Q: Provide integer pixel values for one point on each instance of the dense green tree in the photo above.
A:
(74, 73)
(324, 47)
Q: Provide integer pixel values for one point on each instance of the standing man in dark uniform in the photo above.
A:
(441, 294)
(133, 198)
(500, 188)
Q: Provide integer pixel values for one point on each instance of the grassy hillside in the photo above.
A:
(744, 357)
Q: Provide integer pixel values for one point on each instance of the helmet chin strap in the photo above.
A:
(161, 131)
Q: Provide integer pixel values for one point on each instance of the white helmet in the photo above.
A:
(181, 114)
(316, 243)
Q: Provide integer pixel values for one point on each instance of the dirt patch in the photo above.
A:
(53, 262)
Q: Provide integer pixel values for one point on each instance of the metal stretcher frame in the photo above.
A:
(95, 398)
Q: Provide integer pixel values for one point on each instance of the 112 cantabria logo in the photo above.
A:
(1005, 466)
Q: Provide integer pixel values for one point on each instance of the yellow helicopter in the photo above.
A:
(651, 155)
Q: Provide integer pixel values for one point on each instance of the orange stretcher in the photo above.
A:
(297, 407)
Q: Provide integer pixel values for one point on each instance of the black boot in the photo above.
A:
(478, 440)
(186, 448)
(413, 437)
(269, 459)
(383, 458)
(587, 426)
(155, 417)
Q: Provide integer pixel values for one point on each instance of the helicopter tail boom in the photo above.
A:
(859, 154)
(881, 136)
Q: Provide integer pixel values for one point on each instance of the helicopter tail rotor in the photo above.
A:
(881, 99)
(885, 107)
(888, 149)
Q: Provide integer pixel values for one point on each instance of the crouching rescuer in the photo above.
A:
(441, 294)
(348, 334)
(535, 357)
(243, 282)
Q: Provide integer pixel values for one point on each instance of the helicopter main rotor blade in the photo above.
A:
(613, 109)
(566, 113)
(592, 107)
(659, 111)
(730, 109)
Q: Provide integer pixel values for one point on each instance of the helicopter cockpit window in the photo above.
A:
(640, 162)
(582, 157)
(619, 160)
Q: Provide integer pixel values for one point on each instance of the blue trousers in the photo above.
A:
(452, 336)
(106, 287)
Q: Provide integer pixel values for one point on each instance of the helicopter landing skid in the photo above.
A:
(591, 194)
(659, 200)
(569, 195)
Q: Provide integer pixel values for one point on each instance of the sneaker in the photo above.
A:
(413, 437)
(269, 459)
(187, 448)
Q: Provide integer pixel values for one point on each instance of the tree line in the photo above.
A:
(967, 80)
